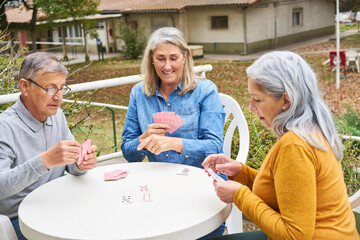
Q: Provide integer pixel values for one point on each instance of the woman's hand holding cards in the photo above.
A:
(157, 144)
(222, 164)
(155, 128)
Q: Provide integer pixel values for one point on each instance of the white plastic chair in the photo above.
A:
(234, 222)
(355, 200)
(7, 231)
(352, 59)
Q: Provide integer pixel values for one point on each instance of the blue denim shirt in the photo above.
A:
(202, 132)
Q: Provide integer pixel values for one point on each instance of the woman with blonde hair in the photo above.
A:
(171, 85)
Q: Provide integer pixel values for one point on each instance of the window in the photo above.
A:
(100, 25)
(13, 3)
(297, 17)
(73, 34)
(219, 22)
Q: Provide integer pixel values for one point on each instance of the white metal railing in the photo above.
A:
(104, 84)
(96, 104)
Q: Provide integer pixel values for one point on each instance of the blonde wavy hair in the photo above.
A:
(174, 36)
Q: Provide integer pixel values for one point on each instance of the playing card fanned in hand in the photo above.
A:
(169, 118)
(116, 174)
(83, 150)
(214, 175)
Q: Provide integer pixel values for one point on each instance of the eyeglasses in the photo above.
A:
(52, 91)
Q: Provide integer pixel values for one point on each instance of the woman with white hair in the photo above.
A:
(299, 191)
(171, 85)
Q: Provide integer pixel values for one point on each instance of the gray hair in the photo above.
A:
(167, 35)
(283, 71)
(34, 62)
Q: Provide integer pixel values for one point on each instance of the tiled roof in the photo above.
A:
(20, 14)
(164, 5)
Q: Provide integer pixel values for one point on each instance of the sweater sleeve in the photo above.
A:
(246, 177)
(295, 183)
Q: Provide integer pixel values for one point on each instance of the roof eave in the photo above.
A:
(126, 11)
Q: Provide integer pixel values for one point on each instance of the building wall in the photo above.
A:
(154, 20)
(268, 26)
(199, 25)
(195, 23)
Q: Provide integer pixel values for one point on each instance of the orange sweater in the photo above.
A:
(298, 193)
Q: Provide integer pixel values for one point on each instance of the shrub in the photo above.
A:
(351, 166)
(9, 65)
(350, 122)
(261, 140)
(134, 41)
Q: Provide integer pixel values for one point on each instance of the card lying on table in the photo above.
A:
(115, 175)
(83, 150)
(169, 118)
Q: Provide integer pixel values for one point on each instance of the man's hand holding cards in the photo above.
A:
(87, 157)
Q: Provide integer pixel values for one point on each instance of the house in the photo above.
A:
(231, 26)
(220, 26)
(69, 30)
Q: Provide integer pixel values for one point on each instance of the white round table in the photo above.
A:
(87, 207)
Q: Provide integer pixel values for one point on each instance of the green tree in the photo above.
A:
(349, 5)
(78, 10)
(54, 9)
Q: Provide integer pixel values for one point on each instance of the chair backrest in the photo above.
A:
(351, 55)
(233, 109)
(355, 200)
(237, 120)
(7, 231)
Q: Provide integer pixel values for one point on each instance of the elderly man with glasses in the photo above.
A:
(36, 145)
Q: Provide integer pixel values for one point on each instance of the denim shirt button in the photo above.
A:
(167, 155)
(142, 154)
(169, 104)
(186, 156)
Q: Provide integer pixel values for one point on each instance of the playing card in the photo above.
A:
(214, 175)
(127, 199)
(169, 118)
(116, 174)
(146, 197)
(184, 171)
(83, 150)
(145, 194)
(144, 188)
(177, 121)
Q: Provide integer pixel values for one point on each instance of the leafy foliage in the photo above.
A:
(349, 5)
(9, 64)
(57, 9)
(134, 41)
(351, 165)
(350, 122)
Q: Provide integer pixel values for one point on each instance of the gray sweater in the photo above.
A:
(22, 139)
